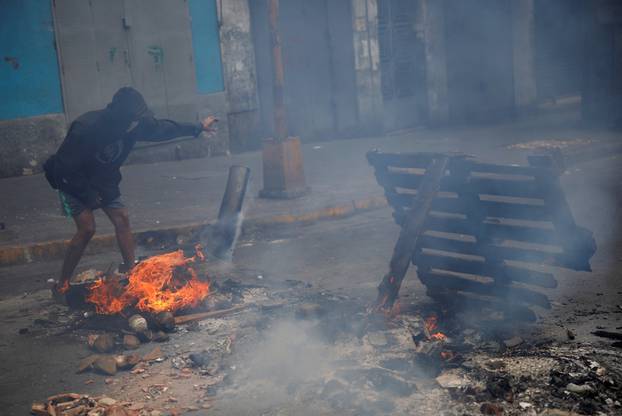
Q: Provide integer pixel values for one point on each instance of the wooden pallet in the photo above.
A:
(476, 230)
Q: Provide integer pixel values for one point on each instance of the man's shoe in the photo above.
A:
(124, 268)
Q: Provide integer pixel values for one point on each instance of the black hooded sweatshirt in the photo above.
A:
(87, 164)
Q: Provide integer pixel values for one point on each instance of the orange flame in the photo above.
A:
(64, 287)
(439, 336)
(161, 283)
(431, 324)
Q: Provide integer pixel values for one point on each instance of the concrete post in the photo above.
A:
(238, 60)
(280, 119)
(523, 49)
(367, 64)
(436, 63)
(283, 172)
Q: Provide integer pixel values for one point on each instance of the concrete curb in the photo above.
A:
(153, 238)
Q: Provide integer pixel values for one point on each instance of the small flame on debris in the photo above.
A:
(431, 324)
(64, 288)
(164, 283)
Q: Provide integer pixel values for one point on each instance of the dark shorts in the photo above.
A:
(71, 206)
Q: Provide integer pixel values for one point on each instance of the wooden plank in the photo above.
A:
(514, 211)
(495, 252)
(508, 169)
(482, 268)
(495, 209)
(523, 188)
(201, 316)
(520, 188)
(531, 277)
(403, 160)
(411, 229)
(457, 225)
(509, 293)
(422, 159)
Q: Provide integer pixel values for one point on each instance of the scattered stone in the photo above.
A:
(165, 321)
(453, 379)
(137, 406)
(107, 401)
(39, 409)
(160, 336)
(579, 389)
(491, 409)
(118, 411)
(87, 363)
(145, 336)
(121, 361)
(513, 342)
(153, 355)
(132, 360)
(525, 405)
(138, 323)
(200, 359)
(105, 364)
(103, 343)
(571, 335)
(131, 342)
(23, 331)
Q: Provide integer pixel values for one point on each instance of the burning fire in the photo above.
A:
(431, 324)
(161, 283)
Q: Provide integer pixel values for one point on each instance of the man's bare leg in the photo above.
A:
(121, 221)
(85, 229)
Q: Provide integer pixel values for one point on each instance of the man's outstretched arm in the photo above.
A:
(158, 130)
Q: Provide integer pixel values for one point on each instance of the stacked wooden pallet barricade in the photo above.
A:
(480, 232)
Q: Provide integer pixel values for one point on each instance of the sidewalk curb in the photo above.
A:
(55, 249)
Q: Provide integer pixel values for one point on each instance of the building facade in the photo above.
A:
(352, 67)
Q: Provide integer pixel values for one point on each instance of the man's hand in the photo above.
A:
(208, 122)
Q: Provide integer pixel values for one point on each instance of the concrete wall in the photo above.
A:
(602, 66)
(26, 143)
(367, 64)
(523, 36)
(31, 123)
(436, 62)
(105, 44)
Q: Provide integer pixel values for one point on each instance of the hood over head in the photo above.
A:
(128, 105)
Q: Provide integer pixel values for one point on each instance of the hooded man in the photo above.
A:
(86, 169)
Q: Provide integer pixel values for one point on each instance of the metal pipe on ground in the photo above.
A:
(220, 237)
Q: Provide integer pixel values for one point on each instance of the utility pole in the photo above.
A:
(283, 173)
